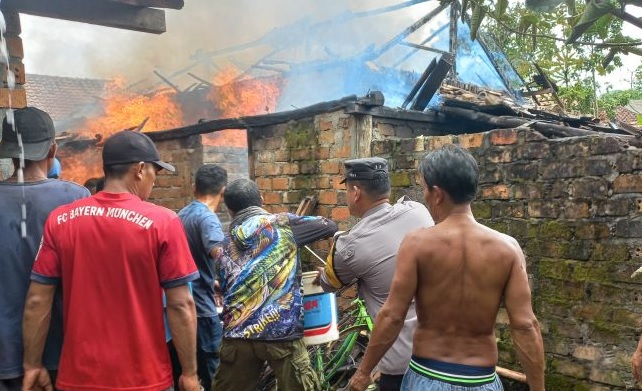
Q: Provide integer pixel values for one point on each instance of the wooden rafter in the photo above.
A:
(173, 4)
(99, 12)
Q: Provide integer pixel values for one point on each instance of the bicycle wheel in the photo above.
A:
(267, 381)
(336, 361)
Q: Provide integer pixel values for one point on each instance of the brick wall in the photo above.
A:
(300, 158)
(575, 206)
(235, 161)
(17, 96)
(174, 190)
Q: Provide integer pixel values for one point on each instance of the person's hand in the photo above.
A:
(218, 294)
(636, 365)
(189, 383)
(360, 381)
(317, 279)
(36, 379)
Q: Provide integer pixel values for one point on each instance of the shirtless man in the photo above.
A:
(459, 271)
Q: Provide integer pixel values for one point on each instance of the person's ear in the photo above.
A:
(139, 170)
(440, 196)
(357, 193)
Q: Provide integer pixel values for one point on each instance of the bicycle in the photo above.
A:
(335, 362)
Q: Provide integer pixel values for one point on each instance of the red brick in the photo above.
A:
(436, 142)
(12, 20)
(345, 122)
(264, 183)
(291, 169)
(282, 155)
(326, 137)
(280, 183)
(328, 197)
(321, 153)
(264, 156)
(259, 170)
(328, 167)
(503, 137)
(300, 154)
(272, 169)
(469, 141)
(323, 182)
(340, 213)
(496, 192)
(273, 143)
(270, 198)
(14, 46)
(18, 98)
(336, 183)
(628, 183)
(343, 152)
(18, 68)
(325, 125)
(308, 167)
(278, 209)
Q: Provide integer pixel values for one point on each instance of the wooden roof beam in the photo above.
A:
(173, 4)
(103, 13)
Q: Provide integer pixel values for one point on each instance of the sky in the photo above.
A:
(55, 47)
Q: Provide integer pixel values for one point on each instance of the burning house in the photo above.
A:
(567, 187)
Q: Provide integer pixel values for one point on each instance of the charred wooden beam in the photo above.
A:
(103, 13)
(411, 29)
(251, 121)
(422, 47)
(207, 83)
(432, 83)
(167, 81)
(546, 128)
(420, 82)
(425, 41)
(173, 4)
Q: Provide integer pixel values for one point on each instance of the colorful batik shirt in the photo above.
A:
(260, 274)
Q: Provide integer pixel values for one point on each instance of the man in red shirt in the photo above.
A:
(114, 254)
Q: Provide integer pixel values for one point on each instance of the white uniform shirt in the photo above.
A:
(368, 254)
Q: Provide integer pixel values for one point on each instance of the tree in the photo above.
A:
(593, 45)
(614, 99)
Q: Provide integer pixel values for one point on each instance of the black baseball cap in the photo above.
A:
(128, 146)
(366, 169)
(36, 129)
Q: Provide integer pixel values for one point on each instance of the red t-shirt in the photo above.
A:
(113, 254)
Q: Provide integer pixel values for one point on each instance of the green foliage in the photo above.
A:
(614, 99)
(529, 37)
(578, 97)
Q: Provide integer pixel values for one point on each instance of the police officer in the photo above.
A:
(368, 252)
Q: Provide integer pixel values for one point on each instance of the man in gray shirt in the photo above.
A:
(368, 252)
(22, 231)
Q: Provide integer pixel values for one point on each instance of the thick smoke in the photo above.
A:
(285, 27)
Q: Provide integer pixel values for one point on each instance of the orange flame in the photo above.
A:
(230, 95)
(121, 110)
(238, 98)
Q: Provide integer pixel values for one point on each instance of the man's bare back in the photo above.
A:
(464, 268)
(458, 272)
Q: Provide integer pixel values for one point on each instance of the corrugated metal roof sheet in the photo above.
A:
(635, 106)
